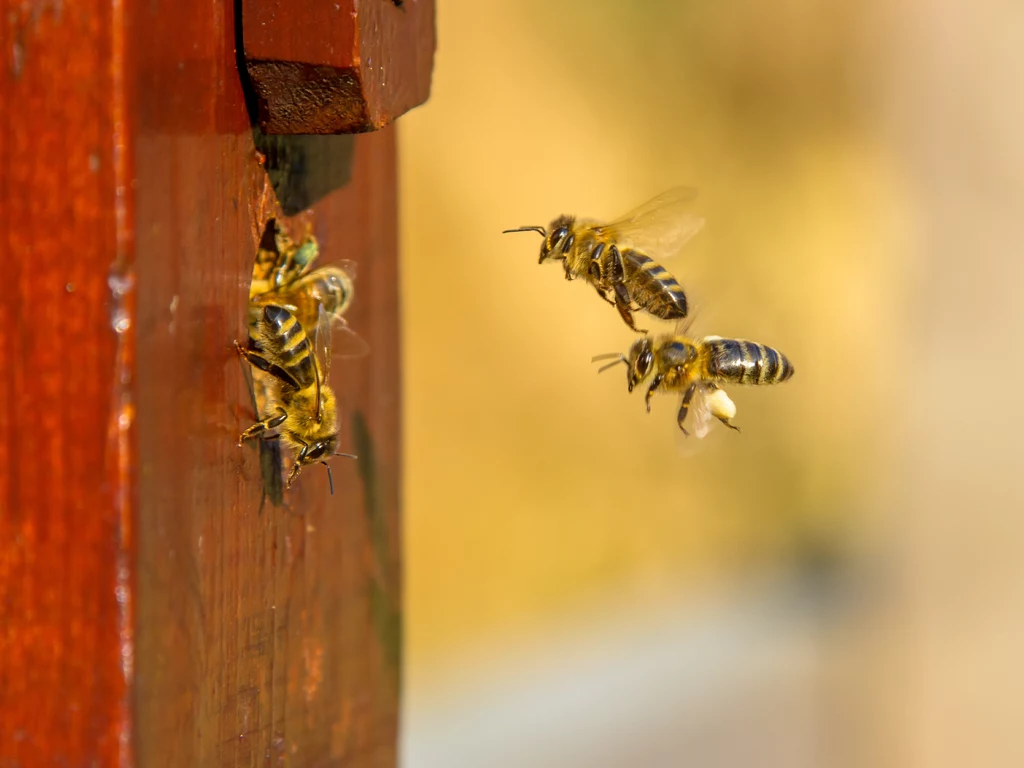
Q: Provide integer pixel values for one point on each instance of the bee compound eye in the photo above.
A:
(644, 363)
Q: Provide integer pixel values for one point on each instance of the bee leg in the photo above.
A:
(622, 302)
(260, 427)
(651, 390)
(251, 354)
(684, 407)
(613, 266)
(603, 295)
(614, 276)
(598, 282)
(257, 360)
(725, 420)
(297, 466)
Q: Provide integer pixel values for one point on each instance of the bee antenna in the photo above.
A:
(330, 479)
(346, 455)
(540, 230)
(604, 368)
(619, 358)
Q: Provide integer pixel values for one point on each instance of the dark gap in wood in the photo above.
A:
(252, 106)
(305, 169)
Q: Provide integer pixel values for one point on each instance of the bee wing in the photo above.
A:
(348, 343)
(322, 351)
(685, 326)
(661, 226)
(698, 419)
(348, 266)
(322, 342)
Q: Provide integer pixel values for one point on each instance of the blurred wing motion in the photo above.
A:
(348, 266)
(661, 226)
(322, 352)
(684, 327)
(338, 339)
(698, 421)
(700, 435)
(347, 343)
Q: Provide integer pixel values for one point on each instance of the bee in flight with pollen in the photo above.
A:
(696, 368)
(621, 259)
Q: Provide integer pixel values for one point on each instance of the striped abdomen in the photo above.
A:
(281, 335)
(746, 362)
(652, 287)
(332, 287)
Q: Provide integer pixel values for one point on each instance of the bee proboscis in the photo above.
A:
(301, 408)
(696, 367)
(621, 259)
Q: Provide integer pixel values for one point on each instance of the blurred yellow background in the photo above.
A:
(861, 170)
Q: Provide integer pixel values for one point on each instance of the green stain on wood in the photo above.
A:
(384, 607)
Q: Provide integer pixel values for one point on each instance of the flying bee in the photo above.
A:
(300, 407)
(621, 259)
(696, 368)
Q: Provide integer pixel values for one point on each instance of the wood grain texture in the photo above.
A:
(337, 66)
(65, 452)
(261, 638)
(272, 633)
(151, 614)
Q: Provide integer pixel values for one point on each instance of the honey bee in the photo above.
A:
(695, 368)
(281, 278)
(620, 259)
(280, 260)
(301, 408)
(327, 287)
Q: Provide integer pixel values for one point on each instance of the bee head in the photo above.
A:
(639, 362)
(319, 451)
(558, 242)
